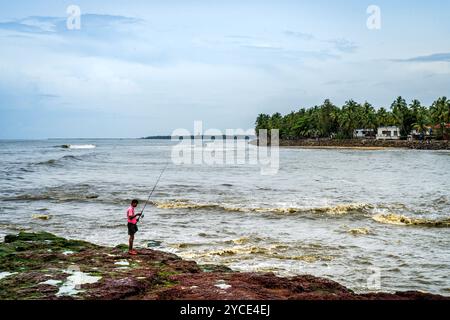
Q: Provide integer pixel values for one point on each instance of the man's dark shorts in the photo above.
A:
(132, 229)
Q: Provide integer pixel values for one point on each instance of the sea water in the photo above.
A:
(372, 220)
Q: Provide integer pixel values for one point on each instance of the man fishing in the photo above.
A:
(133, 218)
(132, 225)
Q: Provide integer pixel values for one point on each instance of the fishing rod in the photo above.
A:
(151, 193)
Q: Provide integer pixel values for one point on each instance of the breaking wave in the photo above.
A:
(400, 220)
(78, 146)
(64, 193)
(61, 161)
(14, 227)
(359, 231)
(341, 209)
(276, 251)
(41, 216)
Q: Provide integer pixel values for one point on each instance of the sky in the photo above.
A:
(139, 68)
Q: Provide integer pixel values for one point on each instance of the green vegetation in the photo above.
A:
(328, 120)
(15, 250)
(29, 260)
(163, 277)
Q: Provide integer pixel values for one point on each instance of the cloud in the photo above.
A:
(240, 37)
(341, 45)
(101, 35)
(436, 57)
(248, 42)
(56, 25)
(300, 35)
(262, 46)
(22, 27)
(344, 45)
(49, 96)
(320, 55)
(344, 82)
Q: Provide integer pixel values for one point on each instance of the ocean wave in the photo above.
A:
(41, 216)
(243, 252)
(237, 250)
(64, 160)
(239, 241)
(63, 193)
(401, 220)
(243, 240)
(359, 231)
(78, 146)
(72, 158)
(181, 204)
(51, 162)
(14, 227)
(61, 161)
(184, 245)
(340, 209)
(52, 196)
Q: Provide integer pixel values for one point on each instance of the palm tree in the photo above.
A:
(421, 125)
(349, 118)
(440, 112)
(288, 124)
(369, 117)
(262, 122)
(421, 116)
(400, 112)
(384, 117)
(327, 119)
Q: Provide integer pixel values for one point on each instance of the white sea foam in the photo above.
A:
(221, 284)
(6, 274)
(51, 282)
(79, 146)
(72, 285)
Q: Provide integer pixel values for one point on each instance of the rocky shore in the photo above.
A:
(366, 144)
(44, 266)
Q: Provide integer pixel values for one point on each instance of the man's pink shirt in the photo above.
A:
(130, 213)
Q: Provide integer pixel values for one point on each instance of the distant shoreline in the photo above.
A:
(363, 144)
(335, 147)
(203, 137)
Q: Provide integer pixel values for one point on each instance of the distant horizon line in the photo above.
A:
(36, 139)
(154, 137)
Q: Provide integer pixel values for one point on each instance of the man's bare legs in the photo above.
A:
(130, 243)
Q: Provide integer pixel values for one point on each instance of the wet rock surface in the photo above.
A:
(44, 266)
(367, 143)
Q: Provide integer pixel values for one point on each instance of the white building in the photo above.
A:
(416, 132)
(388, 133)
(363, 133)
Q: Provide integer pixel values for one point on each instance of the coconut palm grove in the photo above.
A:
(328, 120)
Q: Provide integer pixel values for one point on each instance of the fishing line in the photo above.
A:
(151, 193)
